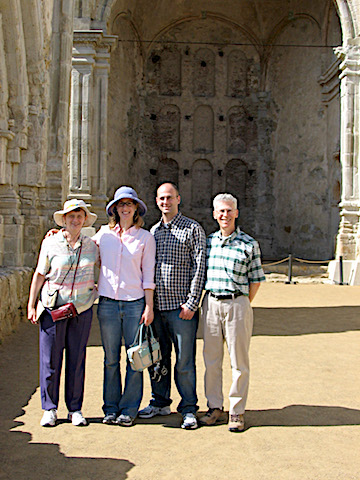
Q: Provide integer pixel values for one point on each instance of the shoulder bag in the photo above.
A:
(68, 310)
(145, 351)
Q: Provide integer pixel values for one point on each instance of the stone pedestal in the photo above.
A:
(351, 271)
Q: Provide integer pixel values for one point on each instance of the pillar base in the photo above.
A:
(351, 271)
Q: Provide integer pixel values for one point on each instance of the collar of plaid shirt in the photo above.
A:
(175, 220)
(232, 262)
(230, 238)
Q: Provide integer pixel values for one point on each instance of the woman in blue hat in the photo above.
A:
(126, 287)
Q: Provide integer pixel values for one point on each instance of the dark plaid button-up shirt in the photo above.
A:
(180, 263)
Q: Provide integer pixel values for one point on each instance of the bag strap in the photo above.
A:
(150, 336)
(77, 264)
(138, 335)
(66, 274)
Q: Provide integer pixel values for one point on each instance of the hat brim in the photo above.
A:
(142, 206)
(89, 220)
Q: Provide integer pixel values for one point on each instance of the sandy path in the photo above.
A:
(303, 411)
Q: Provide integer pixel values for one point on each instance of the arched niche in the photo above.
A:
(170, 72)
(236, 179)
(236, 130)
(236, 74)
(201, 185)
(203, 133)
(167, 171)
(167, 130)
(204, 73)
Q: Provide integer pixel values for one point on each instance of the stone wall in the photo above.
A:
(35, 65)
(231, 100)
(14, 293)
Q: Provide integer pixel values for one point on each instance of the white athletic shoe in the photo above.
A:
(151, 411)
(77, 418)
(49, 418)
(189, 421)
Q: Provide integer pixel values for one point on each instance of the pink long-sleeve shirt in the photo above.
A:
(127, 262)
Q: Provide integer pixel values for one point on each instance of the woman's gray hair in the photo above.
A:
(225, 197)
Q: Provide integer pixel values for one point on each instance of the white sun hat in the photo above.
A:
(73, 204)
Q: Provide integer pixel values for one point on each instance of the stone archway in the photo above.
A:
(138, 160)
(108, 142)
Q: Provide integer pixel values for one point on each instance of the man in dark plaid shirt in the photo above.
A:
(179, 277)
(234, 274)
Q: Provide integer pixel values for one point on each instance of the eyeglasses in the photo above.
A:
(125, 204)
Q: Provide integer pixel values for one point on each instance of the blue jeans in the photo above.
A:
(170, 328)
(119, 319)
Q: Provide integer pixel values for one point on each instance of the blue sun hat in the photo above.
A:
(126, 192)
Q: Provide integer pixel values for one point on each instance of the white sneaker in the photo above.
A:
(77, 418)
(110, 419)
(125, 420)
(151, 411)
(189, 421)
(49, 418)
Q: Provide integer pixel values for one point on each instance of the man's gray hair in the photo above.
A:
(225, 197)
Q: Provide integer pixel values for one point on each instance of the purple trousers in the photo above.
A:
(71, 335)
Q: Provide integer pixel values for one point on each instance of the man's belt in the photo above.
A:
(226, 296)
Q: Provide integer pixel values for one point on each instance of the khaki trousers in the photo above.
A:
(230, 320)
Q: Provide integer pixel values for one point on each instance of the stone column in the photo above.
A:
(88, 118)
(101, 81)
(348, 239)
(80, 117)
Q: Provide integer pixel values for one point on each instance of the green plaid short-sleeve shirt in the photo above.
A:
(232, 263)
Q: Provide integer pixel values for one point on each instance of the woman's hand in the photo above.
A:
(31, 315)
(36, 284)
(51, 232)
(148, 316)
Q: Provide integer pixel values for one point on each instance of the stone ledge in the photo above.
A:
(14, 292)
(302, 269)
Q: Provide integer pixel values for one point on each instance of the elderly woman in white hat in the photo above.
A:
(126, 286)
(64, 273)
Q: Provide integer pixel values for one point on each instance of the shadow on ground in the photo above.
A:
(24, 460)
(305, 321)
(303, 416)
(289, 416)
(19, 380)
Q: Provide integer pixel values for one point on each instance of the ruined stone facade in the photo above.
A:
(214, 95)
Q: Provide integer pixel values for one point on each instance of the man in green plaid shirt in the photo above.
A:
(234, 273)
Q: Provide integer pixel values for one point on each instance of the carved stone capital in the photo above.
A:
(349, 56)
(92, 47)
(94, 38)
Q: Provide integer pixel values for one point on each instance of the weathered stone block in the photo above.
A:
(14, 289)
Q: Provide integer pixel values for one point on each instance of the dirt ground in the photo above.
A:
(302, 418)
